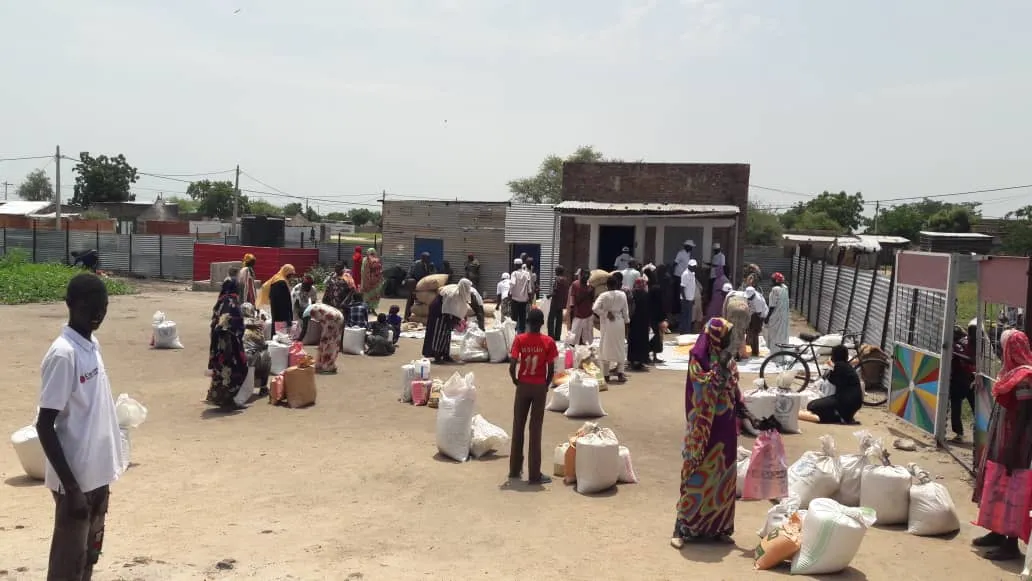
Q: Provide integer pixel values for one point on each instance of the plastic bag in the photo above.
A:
(130, 413)
(559, 460)
(474, 346)
(408, 375)
(455, 417)
(559, 399)
(627, 473)
(495, 341)
(886, 489)
(353, 342)
(584, 397)
(932, 511)
(742, 468)
(296, 354)
(767, 476)
(832, 535)
(487, 437)
(815, 474)
(598, 461)
(421, 391)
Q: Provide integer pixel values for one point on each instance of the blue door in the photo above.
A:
(531, 250)
(435, 246)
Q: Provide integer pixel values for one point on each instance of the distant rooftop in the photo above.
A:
(23, 208)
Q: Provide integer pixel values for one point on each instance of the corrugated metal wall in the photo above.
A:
(770, 259)
(464, 227)
(536, 224)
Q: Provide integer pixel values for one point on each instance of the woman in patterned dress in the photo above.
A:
(372, 280)
(712, 402)
(331, 321)
(226, 358)
(245, 280)
(339, 287)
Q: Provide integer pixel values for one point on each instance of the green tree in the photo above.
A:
(953, 219)
(337, 217)
(763, 227)
(546, 187)
(263, 208)
(36, 187)
(103, 179)
(215, 198)
(811, 220)
(1017, 233)
(846, 210)
(293, 209)
(312, 216)
(361, 216)
(908, 220)
(185, 205)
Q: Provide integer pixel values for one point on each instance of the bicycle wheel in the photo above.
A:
(871, 372)
(785, 369)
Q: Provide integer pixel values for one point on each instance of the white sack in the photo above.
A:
(166, 336)
(509, 328)
(559, 460)
(886, 489)
(852, 475)
(787, 405)
(487, 437)
(130, 413)
(741, 468)
(932, 511)
(831, 537)
(243, 396)
(559, 399)
(544, 305)
(495, 340)
(815, 474)
(354, 341)
(585, 401)
(30, 452)
(408, 375)
(778, 514)
(474, 346)
(627, 474)
(598, 461)
(762, 403)
(686, 340)
(455, 417)
(560, 360)
(279, 354)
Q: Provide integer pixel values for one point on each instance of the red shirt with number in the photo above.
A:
(534, 352)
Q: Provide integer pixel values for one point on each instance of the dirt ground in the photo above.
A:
(351, 488)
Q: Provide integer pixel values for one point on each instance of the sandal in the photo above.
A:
(620, 378)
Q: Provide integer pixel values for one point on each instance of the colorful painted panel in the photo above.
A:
(983, 407)
(914, 392)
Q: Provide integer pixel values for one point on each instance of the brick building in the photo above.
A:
(652, 208)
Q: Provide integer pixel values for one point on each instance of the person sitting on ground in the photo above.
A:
(840, 407)
(394, 320)
(531, 368)
(358, 313)
(87, 258)
(378, 341)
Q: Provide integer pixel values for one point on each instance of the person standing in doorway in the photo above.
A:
(624, 260)
(684, 256)
(418, 271)
(78, 431)
(718, 261)
(560, 294)
(531, 368)
(689, 294)
(582, 318)
(520, 293)
(473, 270)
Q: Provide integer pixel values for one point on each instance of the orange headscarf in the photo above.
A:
(285, 272)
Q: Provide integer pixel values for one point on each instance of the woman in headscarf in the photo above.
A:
(226, 358)
(255, 347)
(612, 310)
(718, 294)
(372, 280)
(245, 279)
(275, 296)
(751, 276)
(638, 348)
(339, 287)
(738, 313)
(502, 296)
(777, 316)
(655, 276)
(439, 325)
(331, 323)
(302, 295)
(1010, 432)
(712, 404)
(356, 266)
(461, 297)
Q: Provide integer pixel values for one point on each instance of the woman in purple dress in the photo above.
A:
(716, 303)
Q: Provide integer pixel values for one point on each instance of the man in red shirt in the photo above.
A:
(582, 317)
(531, 367)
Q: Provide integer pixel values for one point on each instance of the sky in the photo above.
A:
(341, 100)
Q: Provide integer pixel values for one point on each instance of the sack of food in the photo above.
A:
(627, 473)
(474, 346)
(831, 537)
(559, 460)
(815, 474)
(778, 514)
(164, 335)
(779, 545)
(932, 511)
(886, 490)
(408, 375)
(30, 452)
(279, 354)
(742, 468)
(299, 386)
(585, 401)
(767, 476)
(455, 417)
(559, 399)
(787, 405)
(421, 391)
(598, 461)
(487, 437)
(761, 403)
(433, 399)
(354, 341)
(852, 466)
(432, 282)
(495, 340)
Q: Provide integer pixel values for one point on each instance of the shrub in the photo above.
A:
(23, 282)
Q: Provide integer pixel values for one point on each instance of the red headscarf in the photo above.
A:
(1015, 380)
(356, 266)
(778, 278)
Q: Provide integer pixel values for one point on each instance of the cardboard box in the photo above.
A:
(299, 385)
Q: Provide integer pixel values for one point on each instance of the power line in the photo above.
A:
(26, 157)
(189, 175)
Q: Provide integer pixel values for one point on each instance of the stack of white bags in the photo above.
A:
(579, 398)
(460, 431)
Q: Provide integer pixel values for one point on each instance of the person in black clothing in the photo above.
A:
(420, 268)
(656, 277)
(560, 294)
(87, 258)
(848, 397)
(962, 376)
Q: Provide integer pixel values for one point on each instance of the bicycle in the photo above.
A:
(795, 357)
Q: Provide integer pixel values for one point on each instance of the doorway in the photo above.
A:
(611, 242)
(434, 246)
(531, 250)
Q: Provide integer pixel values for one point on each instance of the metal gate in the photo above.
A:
(922, 339)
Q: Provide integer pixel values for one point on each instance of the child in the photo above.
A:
(394, 320)
(78, 430)
(531, 368)
(378, 343)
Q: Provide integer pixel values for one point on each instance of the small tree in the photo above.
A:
(214, 199)
(293, 209)
(546, 187)
(36, 187)
(763, 227)
(263, 208)
(103, 179)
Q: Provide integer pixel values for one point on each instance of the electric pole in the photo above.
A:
(57, 188)
(5, 184)
(236, 198)
(877, 206)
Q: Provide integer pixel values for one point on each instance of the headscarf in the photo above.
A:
(709, 341)
(249, 258)
(229, 287)
(778, 278)
(750, 292)
(285, 272)
(457, 298)
(1017, 370)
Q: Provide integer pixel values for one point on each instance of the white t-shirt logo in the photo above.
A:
(88, 376)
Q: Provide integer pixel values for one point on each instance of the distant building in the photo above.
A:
(131, 217)
(960, 242)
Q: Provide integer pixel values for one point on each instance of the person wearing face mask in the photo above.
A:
(624, 260)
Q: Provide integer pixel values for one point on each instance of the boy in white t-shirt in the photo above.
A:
(78, 430)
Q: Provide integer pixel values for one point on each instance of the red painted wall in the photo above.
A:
(165, 227)
(269, 259)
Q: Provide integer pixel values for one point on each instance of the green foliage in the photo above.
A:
(337, 217)
(95, 214)
(908, 220)
(812, 220)
(23, 282)
(185, 205)
(1017, 238)
(954, 219)
(263, 208)
(845, 212)
(763, 227)
(546, 187)
(362, 216)
(36, 187)
(312, 216)
(215, 199)
(103, 179)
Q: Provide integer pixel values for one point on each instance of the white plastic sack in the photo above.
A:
(544, 305)
(585, 401)
(30, 452)
(560, 360)
(826, 342)
(627, 473)
(243, 396)
(455, 417)
(932, 511)
(886, 489)
(787, 405)
(474, 346)
(598, 461)
(166, 336)
(815, 474)
(354, 341)
(831, 537)
(408, 375)
(686, 340)
(279, 354)
(762, 403)
(487, 437)
(509, 328)
(495, 340)
(807, 395)
(742, 468)
(778, 514)
(130, 413)
(852, 476)
(559, 460)
(559, 399)
(127, 449)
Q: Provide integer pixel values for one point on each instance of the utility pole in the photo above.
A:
(877, 210)
(57, 188)
(236, 199)
(5, 184)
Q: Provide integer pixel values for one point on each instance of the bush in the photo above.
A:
(23, 282)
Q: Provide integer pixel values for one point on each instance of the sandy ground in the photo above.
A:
(351, 488)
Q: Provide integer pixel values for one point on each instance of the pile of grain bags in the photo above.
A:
(594, 460)
(425, 292)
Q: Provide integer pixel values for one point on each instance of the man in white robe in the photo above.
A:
(613, 313)
(777, 318)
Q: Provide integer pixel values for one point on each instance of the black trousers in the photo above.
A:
(77, 543)
(530, 401)
(956, 407)
(832, 410)
(519, 313)
(555, 323)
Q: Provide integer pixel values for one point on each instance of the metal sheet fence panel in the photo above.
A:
(50, 246)
(877, 308)
(859, 311)
(770, 259)
(114, 252)
(19, 239)
(827, 290)
(178, 257)
(841, 306)
(530, 224)
(145, 255)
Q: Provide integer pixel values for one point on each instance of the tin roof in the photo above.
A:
(967, 235)
(23, 208)
(624, 208)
